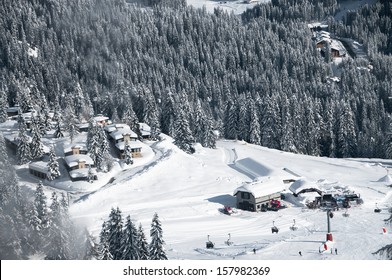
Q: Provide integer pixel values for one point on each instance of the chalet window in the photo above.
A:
(245, 195)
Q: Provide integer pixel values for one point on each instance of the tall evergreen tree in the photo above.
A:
(128, 154)
(23, 152)
(156, 249)
(129, 242)
(58, 245)
(3, 105)
(142, 244)
(183, 135)
(115, 233)
(36, 146)
(53, 166)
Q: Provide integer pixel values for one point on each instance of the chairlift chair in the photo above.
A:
(345, 214)
(274, 229)
(209, 244)
(294, 227)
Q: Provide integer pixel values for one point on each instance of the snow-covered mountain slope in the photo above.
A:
(235, 6)
(188, 191)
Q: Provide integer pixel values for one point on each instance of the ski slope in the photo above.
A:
(188, 191)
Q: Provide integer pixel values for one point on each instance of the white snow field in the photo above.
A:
(188, 191)
(235, 6)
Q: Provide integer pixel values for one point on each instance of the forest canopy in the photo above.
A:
(256, 77)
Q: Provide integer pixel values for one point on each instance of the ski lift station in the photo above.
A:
(257, 195)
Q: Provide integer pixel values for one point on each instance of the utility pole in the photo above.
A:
(329, 234)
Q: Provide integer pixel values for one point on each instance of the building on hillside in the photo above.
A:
(79, 164)
(117, 126)
(337, 49)
(39, 169)
(101, 120)
(75, 149)
(123, 135)
(83, 127)
(145, 131)
(11, 140)
(136, 148)
(257, 195)
(80, 167)
(304, 186)
(13, 111)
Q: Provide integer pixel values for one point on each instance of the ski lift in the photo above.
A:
(209, 244)
(377, 210)
(345, 214)
(229, 242)
(294, 227)
(274, 229)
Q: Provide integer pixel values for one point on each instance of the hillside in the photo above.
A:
(188, 190)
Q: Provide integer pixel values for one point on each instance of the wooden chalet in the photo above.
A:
(39, 169)
(258, 194)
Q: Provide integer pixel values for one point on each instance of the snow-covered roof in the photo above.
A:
(302, 185)
(119, 134)
(81, 146)
(337, 45)
(15, 109)
(11, 137)
(262, 187)
(100, 118)
(144, 126)
(117, 126)
(83, 125)
(81, 173)
(145, 129)
(74, 160)
(132, 145)
(39, 166)
(317, 24)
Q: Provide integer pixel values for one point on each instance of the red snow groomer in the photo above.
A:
(274, 205)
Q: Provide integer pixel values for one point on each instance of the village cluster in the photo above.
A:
(75, 155)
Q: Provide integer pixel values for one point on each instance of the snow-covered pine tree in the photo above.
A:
(105, 254)
(130, 118)
(168, 115)
(8, 182)
(128, 154)
(41, 208)
(104, 246)
(243, 119)
(102, 149)
(209, 138)
(53, 166)
(3, 105)
(91, 247)
(231, 120)
(36, 146)
(151, 115)
(129, 241)
(142, 244)
(156, 249)
(10, 243)
(23, 152)
(58, 245)
(115, 233)
(58, 131)
(270, 123)
(254, 127)
(346, 136)
(183, 135)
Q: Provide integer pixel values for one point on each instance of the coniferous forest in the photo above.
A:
(255, 77)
